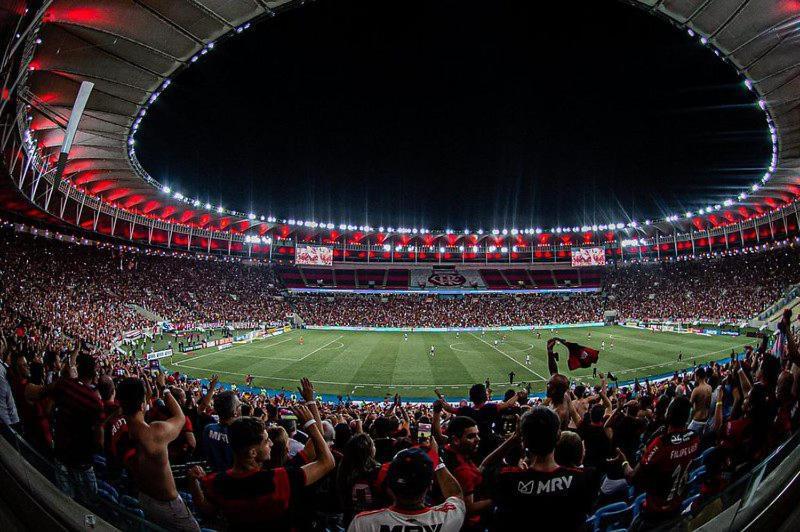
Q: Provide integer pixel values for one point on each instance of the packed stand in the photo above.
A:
(731, 288)
(184, 454)
(427, 311)
(86, 291)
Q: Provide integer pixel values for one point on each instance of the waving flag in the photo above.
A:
(580, 356)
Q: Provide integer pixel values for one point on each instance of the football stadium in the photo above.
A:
(344, 265)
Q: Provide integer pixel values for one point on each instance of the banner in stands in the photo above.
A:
(313, 255)
(456, 329)
(155, 355)
(188, 348)
(588, 257)
(449, 278)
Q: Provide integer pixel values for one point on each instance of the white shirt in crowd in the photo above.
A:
(447, 517)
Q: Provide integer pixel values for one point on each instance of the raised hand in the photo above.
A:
(303, 414)
(306, 389)
(196, 472)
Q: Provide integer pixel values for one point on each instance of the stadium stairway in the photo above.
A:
(147, 314)
(776, 316)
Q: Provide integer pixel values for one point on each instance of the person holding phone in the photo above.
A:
(459, 454)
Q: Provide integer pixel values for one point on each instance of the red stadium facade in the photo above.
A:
(106, 191)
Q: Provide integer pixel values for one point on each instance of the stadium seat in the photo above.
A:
(107, 496)
(695, 479)
(705, 454)
(103, 485)
(637, 504)
(687, 503)
(129, 502)
(606, 516)
(614, 520)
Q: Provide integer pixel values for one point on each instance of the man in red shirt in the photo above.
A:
(248, 495)
(485, 413)
(664, 466)
(559, 498)
(78, 432)
(459, 455)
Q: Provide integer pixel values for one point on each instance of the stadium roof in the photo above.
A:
(130, 49)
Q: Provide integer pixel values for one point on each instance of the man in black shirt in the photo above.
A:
(556, 497)
(484, 413)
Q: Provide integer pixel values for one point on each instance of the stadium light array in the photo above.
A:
(748, 83)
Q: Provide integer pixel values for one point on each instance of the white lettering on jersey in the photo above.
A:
(553, 485)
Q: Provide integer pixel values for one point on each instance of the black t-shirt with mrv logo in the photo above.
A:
(557, 500)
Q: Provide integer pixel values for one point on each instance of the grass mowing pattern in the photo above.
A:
(377, 363)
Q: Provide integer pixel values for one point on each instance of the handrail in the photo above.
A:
(35, 500)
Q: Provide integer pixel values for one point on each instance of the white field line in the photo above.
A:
(321, 348)
(508, 356)
(197, 357)
(671, 362)
(385, 385)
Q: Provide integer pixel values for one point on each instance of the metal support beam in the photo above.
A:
(114, 221)
(64, 200)
(79, 210)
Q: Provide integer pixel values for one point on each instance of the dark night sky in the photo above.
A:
(458, 113)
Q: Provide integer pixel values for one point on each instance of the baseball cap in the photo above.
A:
(410, 473)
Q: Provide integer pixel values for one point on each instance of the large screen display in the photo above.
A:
(313, 255)
(588, 257)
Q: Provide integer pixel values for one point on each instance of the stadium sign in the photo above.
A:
(187, 348)
(447, 279)
(155, 355)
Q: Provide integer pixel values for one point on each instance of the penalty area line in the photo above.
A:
(508, 356)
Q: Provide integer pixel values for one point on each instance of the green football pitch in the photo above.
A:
(378, 363)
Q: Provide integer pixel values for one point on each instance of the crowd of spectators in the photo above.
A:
(187, 454)
(729, 288)
(87, 292)
(431, 311)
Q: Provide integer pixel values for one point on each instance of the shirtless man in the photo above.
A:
(147, 457)
(701, 402)
(558, 396)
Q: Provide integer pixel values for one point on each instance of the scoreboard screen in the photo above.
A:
(588, 257)
(313, 255)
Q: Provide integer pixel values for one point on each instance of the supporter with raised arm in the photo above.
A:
(409, 478)
(459, 455)
(77, 434)
(484, 413)
(247, 495)
(216, 446)
(146, 455)
(558, 398)
(701, 402)
(664, 466)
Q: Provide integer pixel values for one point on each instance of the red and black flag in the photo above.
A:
(580, 356)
